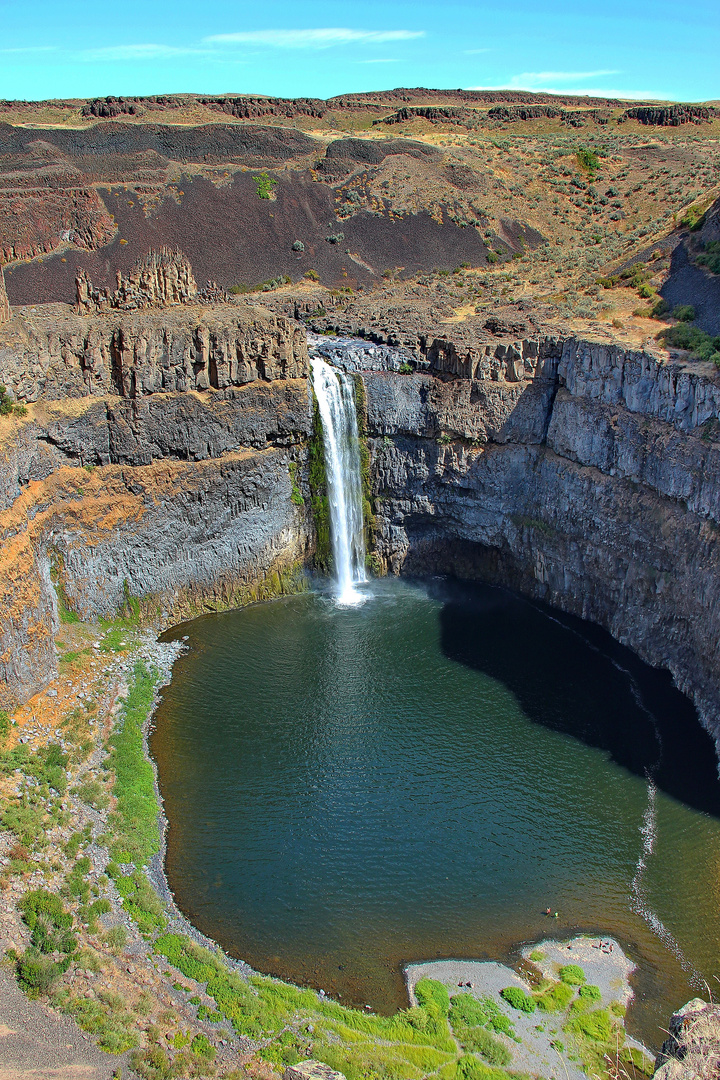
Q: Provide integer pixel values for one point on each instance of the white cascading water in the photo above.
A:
(336, 401)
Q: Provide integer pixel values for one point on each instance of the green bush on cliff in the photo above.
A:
(695, 340)
(710, 257)
(8, 406)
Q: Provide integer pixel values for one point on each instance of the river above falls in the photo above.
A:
(350, 790)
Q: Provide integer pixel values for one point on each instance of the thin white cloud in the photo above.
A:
(542, 78)
(139, 52)
(584, 91)
(30, 49)
(322, 38)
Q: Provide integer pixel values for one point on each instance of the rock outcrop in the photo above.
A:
(162, 279)
(692, 1051)
(58, 354)
(4, 304)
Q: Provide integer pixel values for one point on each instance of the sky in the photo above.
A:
(618, 48)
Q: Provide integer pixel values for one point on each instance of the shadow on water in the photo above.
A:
(542, 656)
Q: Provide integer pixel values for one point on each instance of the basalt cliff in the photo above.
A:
(163, 453)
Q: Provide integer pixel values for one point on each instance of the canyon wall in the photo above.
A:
(154, 461)
(581, 474)
(160, 450)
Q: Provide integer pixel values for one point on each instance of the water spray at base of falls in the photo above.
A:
(336, 401)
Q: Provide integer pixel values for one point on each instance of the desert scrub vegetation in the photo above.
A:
(264, 185)
(52, 943)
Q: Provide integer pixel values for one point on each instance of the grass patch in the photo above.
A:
(467, 1011)
(572, 974)
(555, 998)
(135, 818)
(347, 1039)
(518, 999)
(478, 1040)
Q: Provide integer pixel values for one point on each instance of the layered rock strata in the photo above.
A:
(180, 498)
(580, 474)
(4, 304)
(56, 354)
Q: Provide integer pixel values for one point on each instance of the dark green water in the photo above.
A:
(349, 790)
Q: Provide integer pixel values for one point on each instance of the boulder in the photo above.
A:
(311, 1070)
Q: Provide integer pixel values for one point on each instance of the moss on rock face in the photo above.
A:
(320, 505)
(367, 499)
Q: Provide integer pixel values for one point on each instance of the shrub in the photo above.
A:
(93, 793)
(264, 185)
(695, 340)
(8, 406)
(36, 972)
(710, 257)
(116, 937)
(518, 999)
(572, 974)
(312, 275)
(405, 369)
(684, 313)
(48, 922)
(201, 1046)
(335, 238)
(298, 245)
(693, 218)
(590, 993)
(588, 160)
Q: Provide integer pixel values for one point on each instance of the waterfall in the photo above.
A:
(336, 400)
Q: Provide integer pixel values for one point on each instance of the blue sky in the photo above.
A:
(73, 48)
